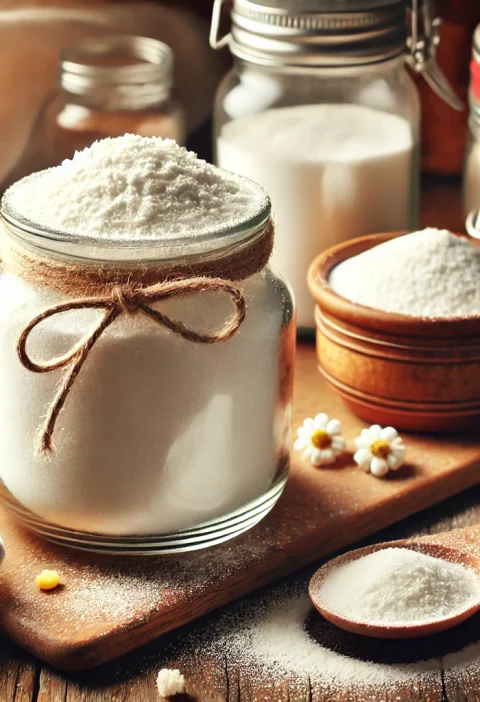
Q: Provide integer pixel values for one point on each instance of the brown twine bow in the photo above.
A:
(123, 300)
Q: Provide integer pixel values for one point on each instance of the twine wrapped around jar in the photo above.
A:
(117, 291)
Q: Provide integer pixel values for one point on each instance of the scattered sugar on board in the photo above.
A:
(399, 586)
(430, 273)
(134, 187)
(268, 641)
(105, 593)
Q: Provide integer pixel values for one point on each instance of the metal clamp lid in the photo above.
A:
(422, 44)
(358, 32)
(473, 224)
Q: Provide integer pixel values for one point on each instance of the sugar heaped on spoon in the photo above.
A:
(402, 589)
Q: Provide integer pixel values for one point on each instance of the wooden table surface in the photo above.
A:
(132, 678)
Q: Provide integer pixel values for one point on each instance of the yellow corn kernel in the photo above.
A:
(48, 579)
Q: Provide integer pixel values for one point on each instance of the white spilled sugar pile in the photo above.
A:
(429, 273)
(397, 586)
(334, 172)
(133, 187)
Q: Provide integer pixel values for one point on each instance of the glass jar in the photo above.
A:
(471, 173)
(111, 86)
(163, 445)
(320, 110)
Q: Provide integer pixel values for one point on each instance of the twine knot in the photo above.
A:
(131, 300)
(126, 298)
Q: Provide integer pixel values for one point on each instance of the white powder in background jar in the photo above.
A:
(157, 433)
(430, 273)
(334, 172)
(398, 586)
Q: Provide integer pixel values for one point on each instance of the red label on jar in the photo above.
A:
(475, 79)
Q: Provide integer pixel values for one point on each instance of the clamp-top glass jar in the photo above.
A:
(471, 175)
(111, 86)
(320, 110)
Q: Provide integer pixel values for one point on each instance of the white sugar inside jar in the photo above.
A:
(159, 434)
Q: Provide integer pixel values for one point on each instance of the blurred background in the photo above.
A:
(44, 117)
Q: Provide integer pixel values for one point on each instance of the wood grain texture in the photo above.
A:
(320, 512)
(209, 679)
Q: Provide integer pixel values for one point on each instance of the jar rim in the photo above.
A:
(155, 58)
(203, 245)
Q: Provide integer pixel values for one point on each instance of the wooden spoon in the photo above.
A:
(460, 546)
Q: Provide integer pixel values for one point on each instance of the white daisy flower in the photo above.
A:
(320, 440)
(379, 450)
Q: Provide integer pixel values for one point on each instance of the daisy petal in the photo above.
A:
(334, 426)
(316, 457)
(388, 434)
(321, 421)
(303, 431)
(362, 442)
(393, 462)
(398, 451)
(363, 457)
(300, 444)
(375, 431)
(328, 456)
(308, 423)
(379, 467)
(338, 443)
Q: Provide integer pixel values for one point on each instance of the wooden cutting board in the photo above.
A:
(108, 606)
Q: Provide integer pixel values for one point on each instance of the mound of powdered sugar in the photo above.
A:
(135, 187)
(399, 586)
(430, 273)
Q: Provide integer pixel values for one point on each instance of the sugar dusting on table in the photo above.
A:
(269, 641)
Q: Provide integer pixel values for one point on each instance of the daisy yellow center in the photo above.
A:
(380, 448)
(321, 439)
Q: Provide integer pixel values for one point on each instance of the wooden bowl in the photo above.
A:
(416, 374)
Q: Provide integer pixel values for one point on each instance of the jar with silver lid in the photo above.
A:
(471, 177)
(112, 85)
(320, 110)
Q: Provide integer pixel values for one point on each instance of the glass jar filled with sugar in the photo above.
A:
(320, 110)
(146, 352)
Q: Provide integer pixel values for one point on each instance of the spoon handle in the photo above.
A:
(465, 539)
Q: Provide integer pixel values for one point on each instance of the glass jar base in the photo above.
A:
(202, 536)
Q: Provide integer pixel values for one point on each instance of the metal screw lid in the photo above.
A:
(118, 71)
(476, 45)
(316, 32)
